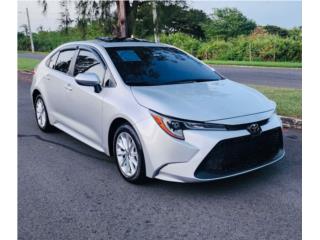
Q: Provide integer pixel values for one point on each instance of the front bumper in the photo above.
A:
(182, 161)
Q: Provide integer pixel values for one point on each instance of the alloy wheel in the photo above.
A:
(41, 113)
(127, 155)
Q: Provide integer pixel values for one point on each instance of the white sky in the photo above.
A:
(281, 13)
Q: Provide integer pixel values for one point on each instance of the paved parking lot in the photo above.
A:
(66, 190)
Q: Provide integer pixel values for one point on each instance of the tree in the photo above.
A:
(44, 6)
(296, 33)
(95, 12)
(65, 19)
(275, 30)
(25, 29)
(177, 17)
(40, 28)
(173, 17)
(228, 23)
(105, 16)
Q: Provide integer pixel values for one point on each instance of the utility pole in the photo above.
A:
(155, 21)
(30, 32)
(122, 22)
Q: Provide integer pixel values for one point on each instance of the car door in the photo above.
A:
(57, 82)
(85, 105)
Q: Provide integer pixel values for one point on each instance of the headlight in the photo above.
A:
(172, 127)
(175, 127)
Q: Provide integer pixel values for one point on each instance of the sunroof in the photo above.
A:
(128, 56)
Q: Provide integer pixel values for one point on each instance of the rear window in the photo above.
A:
(145, 66)
(52, 60)
(64, 60)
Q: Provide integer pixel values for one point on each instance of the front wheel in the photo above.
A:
(42, 115)
(129, 155)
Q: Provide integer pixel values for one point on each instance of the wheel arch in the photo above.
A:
(35, 94)
(117, 122)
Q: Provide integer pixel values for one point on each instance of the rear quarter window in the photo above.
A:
(64, 61)
(52, 61)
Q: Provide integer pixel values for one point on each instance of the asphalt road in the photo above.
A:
(274, 77)
(67, 190)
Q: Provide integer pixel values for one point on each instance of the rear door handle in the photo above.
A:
(68, 87)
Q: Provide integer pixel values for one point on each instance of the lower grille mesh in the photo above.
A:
(240, 154)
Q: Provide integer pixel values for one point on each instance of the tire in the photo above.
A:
(41, 115)
(130, 155)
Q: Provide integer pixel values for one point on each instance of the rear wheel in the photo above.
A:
(42, 115)
(129, 155)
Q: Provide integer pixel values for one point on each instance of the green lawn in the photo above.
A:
(289, 101)
(255, 63)
(37, 52)
(27, 64)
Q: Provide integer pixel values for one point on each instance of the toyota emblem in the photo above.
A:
(254, 129)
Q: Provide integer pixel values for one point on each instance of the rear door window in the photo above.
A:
(64, 61)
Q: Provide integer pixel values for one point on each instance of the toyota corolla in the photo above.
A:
(159, 111)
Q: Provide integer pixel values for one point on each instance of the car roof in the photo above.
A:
(114, 42)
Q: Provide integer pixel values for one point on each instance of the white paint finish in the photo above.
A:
(206, 101)
(87, 115)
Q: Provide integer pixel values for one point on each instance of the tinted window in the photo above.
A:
(53, 60)
(141, 66)
(64, 60)
(87, 62)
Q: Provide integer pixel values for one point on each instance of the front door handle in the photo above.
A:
(68, 87)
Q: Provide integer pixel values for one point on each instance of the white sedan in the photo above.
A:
(159, 111)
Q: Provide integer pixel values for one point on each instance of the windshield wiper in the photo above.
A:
(190, 81)
(133, 83)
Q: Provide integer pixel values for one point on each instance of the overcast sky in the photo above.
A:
(285, 14)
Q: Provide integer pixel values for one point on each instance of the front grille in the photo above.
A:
(240, 154)
(246, 125)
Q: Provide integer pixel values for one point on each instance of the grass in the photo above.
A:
(27, 64)
(289, 101)
(256, 63)
(37, 52)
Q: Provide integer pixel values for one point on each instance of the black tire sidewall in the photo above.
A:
(139, 176)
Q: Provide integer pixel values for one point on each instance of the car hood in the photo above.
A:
(203, 101)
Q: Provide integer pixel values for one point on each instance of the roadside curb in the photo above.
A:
(25, 72)
(290, 122)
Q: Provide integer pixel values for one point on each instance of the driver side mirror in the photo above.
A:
(89, 80)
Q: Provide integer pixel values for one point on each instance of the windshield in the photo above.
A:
(146, 66)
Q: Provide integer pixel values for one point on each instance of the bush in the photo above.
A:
(259, 46)
(183, 41)
(247, 48)
(215, 50)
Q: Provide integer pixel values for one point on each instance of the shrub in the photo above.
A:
(259, 46)
(183, 41)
